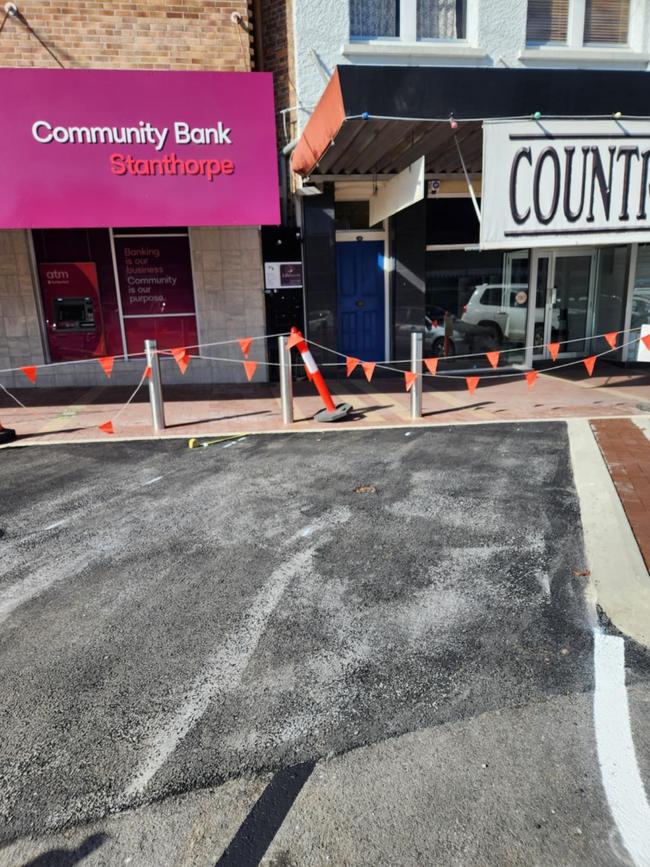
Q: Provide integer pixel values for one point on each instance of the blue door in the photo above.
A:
(361, 326)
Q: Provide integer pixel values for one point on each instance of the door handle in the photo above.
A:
(553, 295)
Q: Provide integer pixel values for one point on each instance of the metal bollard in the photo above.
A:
(286, 383)
(416, 367)
(155, 386)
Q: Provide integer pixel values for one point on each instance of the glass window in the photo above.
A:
(374, 19)
(492, 296)
(156, 289)
(606, 21)
(611, 282)
(452, 221)
(352, 215)
(475, 295)
(547, 21)
(641, 293)
(441, 19)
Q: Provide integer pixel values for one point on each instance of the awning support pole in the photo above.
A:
(469, 182)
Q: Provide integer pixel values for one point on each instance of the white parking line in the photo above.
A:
(221, 673)
(626, 796)
(224, 668)
(152, 481)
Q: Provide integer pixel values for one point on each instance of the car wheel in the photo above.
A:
(438, 347)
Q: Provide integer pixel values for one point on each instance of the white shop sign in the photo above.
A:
(400, 192)
(551, 183)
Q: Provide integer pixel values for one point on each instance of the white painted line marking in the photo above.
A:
(55, 524)
(21, 592)
(224, 668)
(334, 516)
(222, 672)
(152, 481)
(626, 796)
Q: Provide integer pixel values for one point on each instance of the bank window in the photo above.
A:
(578, 22)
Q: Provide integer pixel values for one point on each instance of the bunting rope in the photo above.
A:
(183, 358)
(134, 355)
(482, 354)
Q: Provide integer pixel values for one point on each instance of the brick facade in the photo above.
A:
(227, 263)
(147, 34)
(273, 22)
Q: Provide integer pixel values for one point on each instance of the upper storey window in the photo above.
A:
(578, 22)
(407, 20)
(441, 19)
(374, 19)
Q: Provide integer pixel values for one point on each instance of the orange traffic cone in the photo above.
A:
(6, 435)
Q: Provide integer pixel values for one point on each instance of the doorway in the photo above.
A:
(564, 301)
(361, 296)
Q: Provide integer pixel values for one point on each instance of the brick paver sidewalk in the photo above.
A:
(626, 450)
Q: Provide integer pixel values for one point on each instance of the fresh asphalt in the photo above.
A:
(176, 620)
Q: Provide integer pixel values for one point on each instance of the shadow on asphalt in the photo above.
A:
(68, 857)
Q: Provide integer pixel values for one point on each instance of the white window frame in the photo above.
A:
(576, 31)
(408, 32)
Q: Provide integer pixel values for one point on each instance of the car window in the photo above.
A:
(491, 297)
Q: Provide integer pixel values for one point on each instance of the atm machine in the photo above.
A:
(72, 310)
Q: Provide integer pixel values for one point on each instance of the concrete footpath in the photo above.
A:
(73, 415)
(396, 647)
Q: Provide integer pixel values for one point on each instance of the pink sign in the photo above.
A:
(91, 148)
(155, 275)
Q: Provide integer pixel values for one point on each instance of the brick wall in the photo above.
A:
(147, 34)
(273, 23)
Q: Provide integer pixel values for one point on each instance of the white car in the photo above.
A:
(501, 312)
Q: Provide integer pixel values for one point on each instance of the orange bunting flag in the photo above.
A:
(107, 365)
(107, 427)
(368, 368)
(611, 338)
(182, 357)
(589, 363)
(493, 358)
(250, 367)
(147, 372)
(432, 365)
(472, 382)
(245, 344)
(646, 341)
(531, 376)
(351, 363)
(294, 340)
(30, 372)
(409, 379)
(553, 348)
